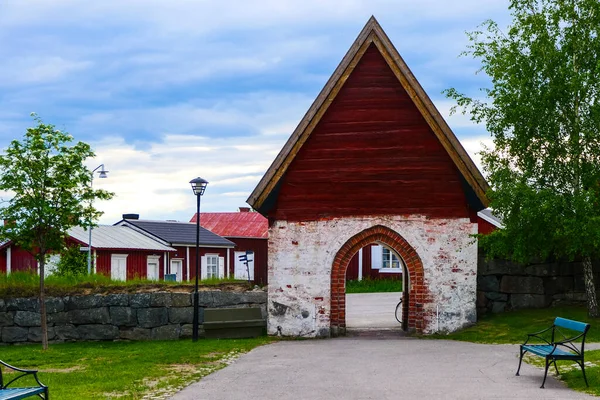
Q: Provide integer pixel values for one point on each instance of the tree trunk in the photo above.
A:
(590, 288)
(44, 324)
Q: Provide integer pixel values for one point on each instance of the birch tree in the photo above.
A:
(542, 110)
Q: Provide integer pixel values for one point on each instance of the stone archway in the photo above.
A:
(417, 295)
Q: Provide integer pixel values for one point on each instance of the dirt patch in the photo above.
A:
(63, 370)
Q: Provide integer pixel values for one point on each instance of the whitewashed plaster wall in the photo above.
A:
(301, 256)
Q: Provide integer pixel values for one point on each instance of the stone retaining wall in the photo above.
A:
(122, 316)
(503, 285)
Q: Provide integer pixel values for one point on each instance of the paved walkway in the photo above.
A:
(367, 368)
(372, 310)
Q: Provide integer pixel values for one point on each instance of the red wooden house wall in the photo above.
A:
(260, 249)
(373, 145)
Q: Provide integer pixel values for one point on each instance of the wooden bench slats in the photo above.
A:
(233, 322)
(545, 349)
(570, 324)
(19, 393)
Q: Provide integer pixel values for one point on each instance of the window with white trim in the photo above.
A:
(212, 266)
(390, 260)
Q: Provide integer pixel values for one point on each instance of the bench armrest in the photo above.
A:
(24, 372)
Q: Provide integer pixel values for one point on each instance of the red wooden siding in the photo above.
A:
(259, 247)
(22, 261)
(367, 271)
(371, 153)
(3, 261)
(485, 227)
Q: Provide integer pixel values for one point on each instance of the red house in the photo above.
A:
(488, 222)
(249, 231)
(215, 259)
(118, 252)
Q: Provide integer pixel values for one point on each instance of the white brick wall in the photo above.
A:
(301, 256)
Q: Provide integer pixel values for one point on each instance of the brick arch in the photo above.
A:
(380, 234)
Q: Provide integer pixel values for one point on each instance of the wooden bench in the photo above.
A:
(561, 346)
(7, 392)
(233, 323)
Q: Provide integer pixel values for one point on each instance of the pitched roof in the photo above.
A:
(175, 233)
(372, 33)
(487, 215)
(235, 224)
(117, 237)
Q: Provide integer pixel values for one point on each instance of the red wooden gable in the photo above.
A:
(371, 144)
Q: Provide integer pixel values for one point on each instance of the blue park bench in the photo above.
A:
(7, 392)
(561, 346)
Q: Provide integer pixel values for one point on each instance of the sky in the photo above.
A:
(166, 91)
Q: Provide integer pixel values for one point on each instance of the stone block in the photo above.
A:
(498, 306)
(89, 316)
(187, 331)
(498, 267)
(166, 332)
(66, 332)
(578, 283)
(558, 284)
(136, 334)
(160, 299)
(27, 318)
(495, 296)
(84, 302)
(482, 300)
(488, 283)
(116, 300)
(98, 332)
(181, 315)
(254, 297)
(59, 318)
(152, 317)
(205, 299)
(571, 297)
(181, 299)
(139, 300)
(568, 268)
(23, 304)
(13, 334)
(2, 305)
(123, 316)
(529, 301)
(54, 305)
(522, 284)
(6, 319)
(35, 334)
(542, 269)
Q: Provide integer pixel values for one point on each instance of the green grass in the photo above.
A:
(125, 370)
(374, 286)
(513, 326)
(21, 284)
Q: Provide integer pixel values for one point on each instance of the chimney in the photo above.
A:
(131, 216)
(244, 209)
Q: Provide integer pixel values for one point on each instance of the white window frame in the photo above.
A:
(391, 262)
(210, 273)
(114, 257)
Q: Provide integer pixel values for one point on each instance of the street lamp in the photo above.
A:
(198, 186)
(101, 174)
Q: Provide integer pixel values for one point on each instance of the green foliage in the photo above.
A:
(72, 261)
(50, 188)
(543, 112)
(368, 285)
(126, 370)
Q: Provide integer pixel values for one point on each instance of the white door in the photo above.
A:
(152, 268)
(118, 267)
(177, 269)
(239, 269)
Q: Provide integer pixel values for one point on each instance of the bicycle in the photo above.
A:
(398, 312)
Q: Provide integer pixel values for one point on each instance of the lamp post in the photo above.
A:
(101, 174)
(198, 186)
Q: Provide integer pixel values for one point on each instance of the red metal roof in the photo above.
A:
(235, 224)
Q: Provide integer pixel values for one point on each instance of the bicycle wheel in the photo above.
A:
(398, 313)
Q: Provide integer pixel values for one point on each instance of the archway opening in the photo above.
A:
(413, 298)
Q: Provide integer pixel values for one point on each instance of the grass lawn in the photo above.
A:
(125, 370)
(513, 326)
(374, 286)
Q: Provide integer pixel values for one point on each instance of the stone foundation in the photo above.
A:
(123, 316)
